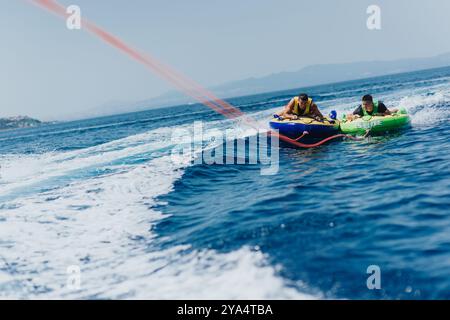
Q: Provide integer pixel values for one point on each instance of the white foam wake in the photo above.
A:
(104, 226)
(428, 109)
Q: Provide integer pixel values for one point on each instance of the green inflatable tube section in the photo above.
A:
(376, 124)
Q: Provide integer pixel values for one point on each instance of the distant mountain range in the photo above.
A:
(328, 73)
(306, 77)
(18, 122)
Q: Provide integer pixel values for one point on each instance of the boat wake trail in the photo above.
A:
(92, 208)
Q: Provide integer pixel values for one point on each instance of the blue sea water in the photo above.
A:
(106, 196)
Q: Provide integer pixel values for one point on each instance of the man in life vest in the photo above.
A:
(370, 107)
(301, 106)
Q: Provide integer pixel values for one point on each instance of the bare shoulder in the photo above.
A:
(291, 103)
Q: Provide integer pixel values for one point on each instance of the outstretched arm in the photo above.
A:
(356, 114)
(385, 111)
(388, 112)
(287, 111)
(316, 112)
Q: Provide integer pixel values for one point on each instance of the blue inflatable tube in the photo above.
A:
(295, 128)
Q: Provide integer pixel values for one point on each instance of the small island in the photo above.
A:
(18, 122)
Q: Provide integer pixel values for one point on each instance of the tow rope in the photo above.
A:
(313, 145)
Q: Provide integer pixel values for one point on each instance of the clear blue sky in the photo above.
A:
(50, 72)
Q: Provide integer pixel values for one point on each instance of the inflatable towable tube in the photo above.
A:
(295, 128)
(376, 124)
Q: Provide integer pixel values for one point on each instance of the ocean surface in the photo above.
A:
(106, 197)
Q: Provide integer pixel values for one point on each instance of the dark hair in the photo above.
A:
(367, 98)
(303, 96)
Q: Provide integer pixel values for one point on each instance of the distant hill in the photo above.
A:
(306, 77)
(18, 122)
(328, 73)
